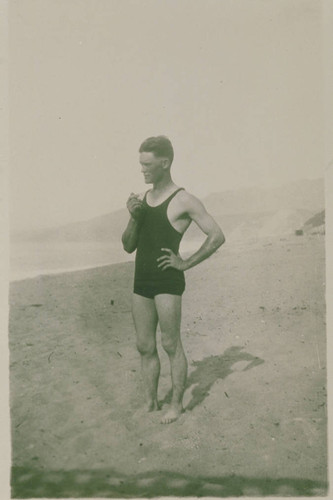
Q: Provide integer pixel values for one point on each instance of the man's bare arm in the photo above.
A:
(131, 234)
(215, 237)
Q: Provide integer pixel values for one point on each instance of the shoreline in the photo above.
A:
(43, 273)
(16, 275)
(233, 245)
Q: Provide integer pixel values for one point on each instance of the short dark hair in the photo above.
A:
(161, 146)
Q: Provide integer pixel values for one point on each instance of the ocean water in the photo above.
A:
(28, 259)
(33, 259)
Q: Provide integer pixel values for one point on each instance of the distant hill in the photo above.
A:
(242, 212)
(316, 224)
(108, 227)
(278, 223)
(316, 220)
(304, 194)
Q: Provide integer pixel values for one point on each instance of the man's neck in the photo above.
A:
(163, 185)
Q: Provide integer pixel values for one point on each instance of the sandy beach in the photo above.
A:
(255, 422)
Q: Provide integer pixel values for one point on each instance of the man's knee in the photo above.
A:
(169, 343)
(146, 347)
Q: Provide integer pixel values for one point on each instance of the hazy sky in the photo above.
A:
(235, 84)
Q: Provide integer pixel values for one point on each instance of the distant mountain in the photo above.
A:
(279, 223)
(108, 227)
(242, 212)
(316, 224)
(316, 220)
(304, 194)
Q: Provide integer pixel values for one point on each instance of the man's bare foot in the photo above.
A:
(172, 414)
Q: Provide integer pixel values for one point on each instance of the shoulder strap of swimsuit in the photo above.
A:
(173, 195)
(167, 201)
(145, 196)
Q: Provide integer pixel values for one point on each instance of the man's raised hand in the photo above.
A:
(135, 207)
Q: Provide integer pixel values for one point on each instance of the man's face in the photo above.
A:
(153, 168)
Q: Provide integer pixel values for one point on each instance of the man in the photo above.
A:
(156, 226)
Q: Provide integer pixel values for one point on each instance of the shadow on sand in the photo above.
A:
(212, 368)
(33, 483)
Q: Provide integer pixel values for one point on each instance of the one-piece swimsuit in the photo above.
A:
(156, 232)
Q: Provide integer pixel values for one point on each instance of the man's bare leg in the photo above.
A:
(169, 314)
(145, 321)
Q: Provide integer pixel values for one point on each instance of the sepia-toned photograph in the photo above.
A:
(167, 286)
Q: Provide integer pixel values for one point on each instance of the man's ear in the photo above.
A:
(166, 163)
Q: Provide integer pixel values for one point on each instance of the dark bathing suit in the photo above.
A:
(156, 232)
